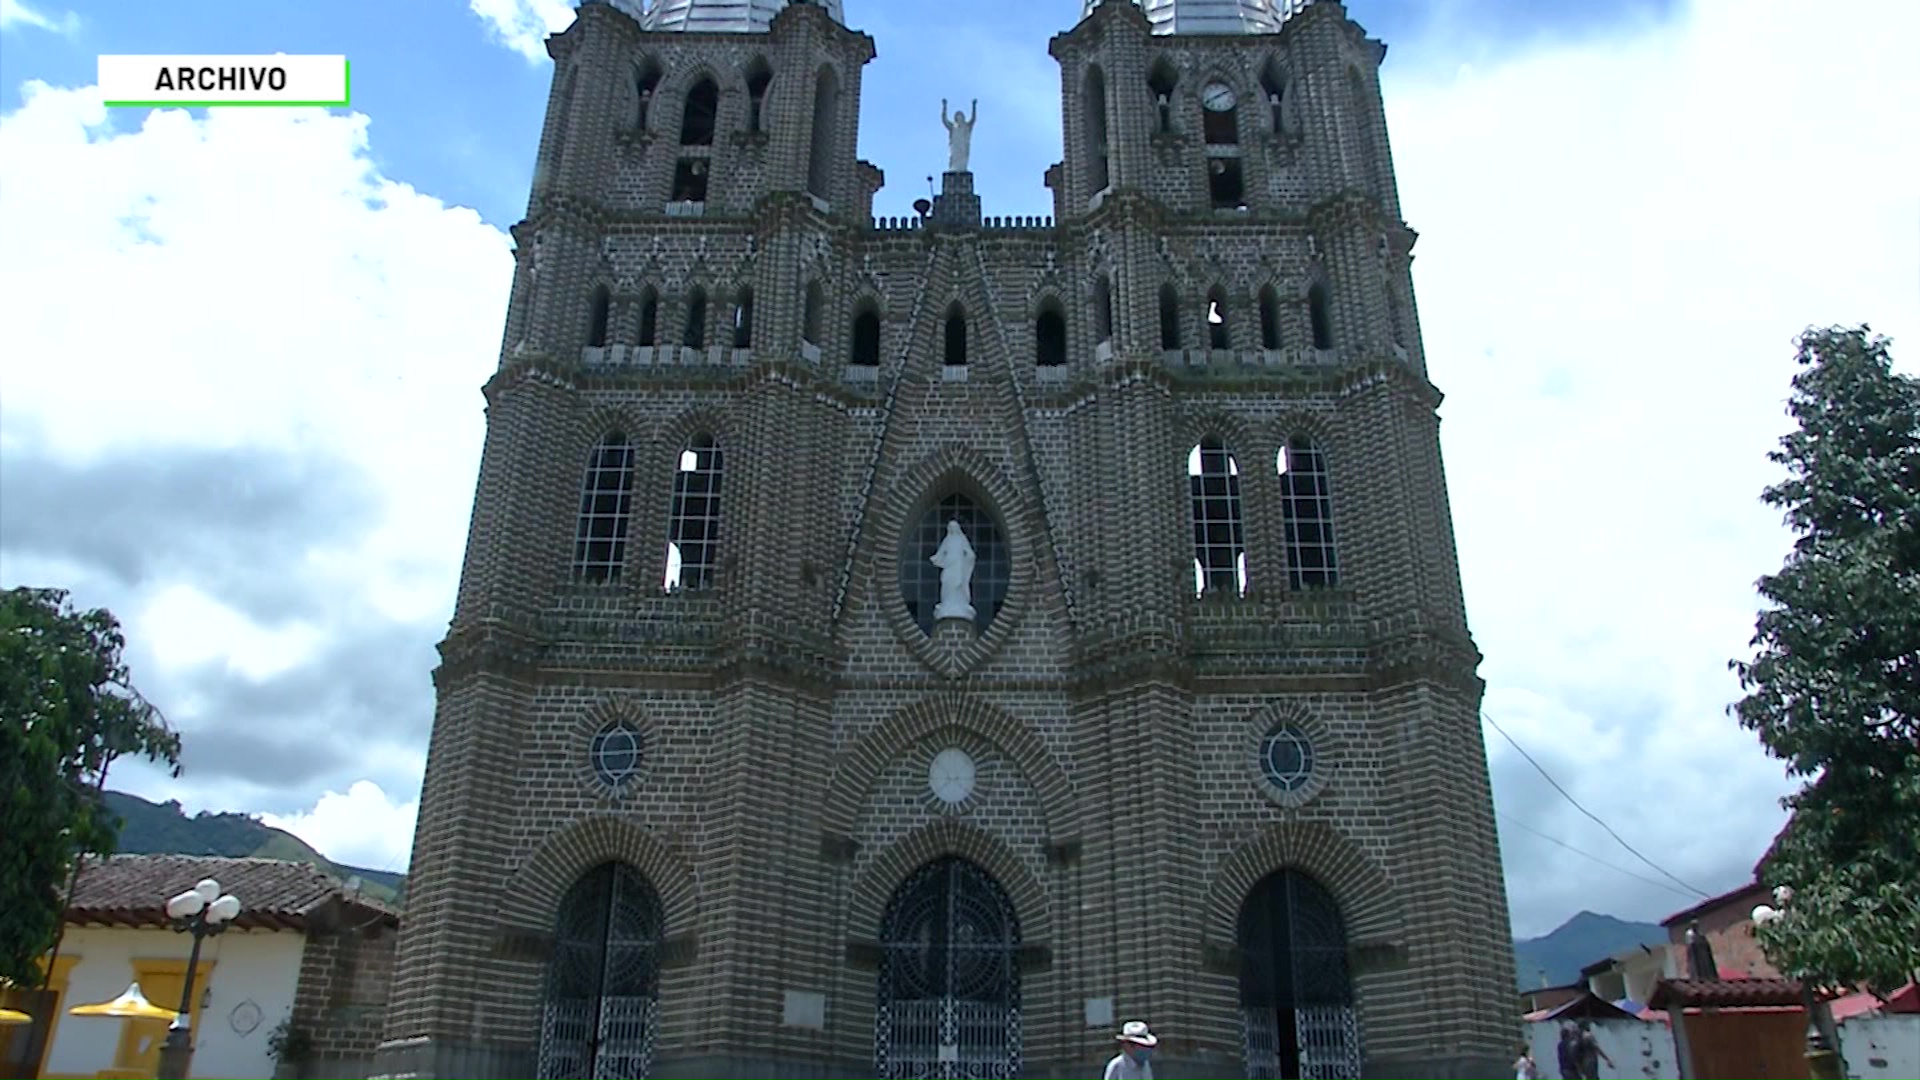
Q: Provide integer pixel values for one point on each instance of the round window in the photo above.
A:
(1286, 758)
(615, 754)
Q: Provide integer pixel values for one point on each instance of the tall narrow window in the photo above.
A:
(701, 113)
(606, 504)
(1306, 507)
(1364, 135)
(1217, 335)
(1050, 337)
(649, 317)
(826, 120)
(810, 314)
(1160, 83)
(759, 78)
(1269, 318)
(1273, 87)
(866, 338)
(743, 318)
(646, 83)
(598, 307)
(693, 527)
(559, 123)
(1093, 97)
(1320, 318)
(1219, 544)
(1102, 308)
(695, 334)
(1169, 317)
(956, 336)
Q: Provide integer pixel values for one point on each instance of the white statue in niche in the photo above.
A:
(955, 559)
(959, 135)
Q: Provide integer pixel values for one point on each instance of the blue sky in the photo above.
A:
(280, 320)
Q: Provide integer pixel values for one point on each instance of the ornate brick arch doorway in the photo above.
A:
(948, 1002)
(1296, 996)
(602, 1000)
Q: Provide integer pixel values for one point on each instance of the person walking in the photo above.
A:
(1524, 1067)
(1568, 1051)
(1135, 1059)
(1589, 1053)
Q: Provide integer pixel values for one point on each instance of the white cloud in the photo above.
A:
(16, 13)
(1619, 241)
(523, 25)
(363, 827)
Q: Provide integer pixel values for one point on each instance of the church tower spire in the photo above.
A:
(1212, 16)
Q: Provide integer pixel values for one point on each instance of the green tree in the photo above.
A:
(1833, 688)
(67, 711)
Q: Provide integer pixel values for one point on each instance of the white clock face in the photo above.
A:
(1217, 97)
(951, 776)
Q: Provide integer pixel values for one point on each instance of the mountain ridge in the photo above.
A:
(1558, 956)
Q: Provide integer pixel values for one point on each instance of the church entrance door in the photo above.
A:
(1296, 999)
(603, 1002)
(948, 1000)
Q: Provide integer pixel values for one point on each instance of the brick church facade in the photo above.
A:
(723, 782)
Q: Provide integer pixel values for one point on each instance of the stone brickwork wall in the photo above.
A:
(788, 713)
(346, 971)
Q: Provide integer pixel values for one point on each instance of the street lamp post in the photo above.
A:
(202, 911)
(1823, 1057)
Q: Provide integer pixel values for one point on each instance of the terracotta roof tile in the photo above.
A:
(132, 890)
(1724, 993)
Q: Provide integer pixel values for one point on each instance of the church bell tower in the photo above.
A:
(915, 647)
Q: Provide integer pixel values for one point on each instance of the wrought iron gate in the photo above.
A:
(602, 1006)
(948, 1000)
(1296, 999)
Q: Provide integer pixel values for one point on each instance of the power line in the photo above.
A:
(1585, 855)
(1576, 805)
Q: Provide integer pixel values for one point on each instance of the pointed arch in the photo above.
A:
(1221, 127)
(1273, 88)
(1219, 330)
(812, 303)
(693, 518)
(700, 115)
(1219, 535)
(1093, 101)
(1169, 317)
(646, 84)
(532, 893)
(1320, 315)
(1102, 308)
(606, 511)
(743, 318)
(1269, 317)
(649, 329)
(1361, 889)
(896, 863)
(1306, 510)
(825, 135)
(693, 333)
(759, 79)
(1050, 334)
(1162, 81)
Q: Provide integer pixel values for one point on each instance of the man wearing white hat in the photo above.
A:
(1134, 1061)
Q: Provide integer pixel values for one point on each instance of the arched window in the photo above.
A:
(1219, 121)
(810, 313)
(598, 307)
(866, 337)
(743, 318)
(1319, 316)
(1169, 317)
(1218, 336)
(1273, 87)
(1296, 992)
(606, 506)
(701, 114)
(1269, 318)
(920, 578)
(695, 332)
(1161, 80)
(1306, 507)
(603, 977)
(1050, 337)
(649, 317)
(759, 78)
(1219, 542)
(956, 336)
(646, 83)
(1093, 98)
(1102, 308)
(693, 524)
(826, 120)
(949, 962)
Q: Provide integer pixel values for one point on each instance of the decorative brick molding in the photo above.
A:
(1369, 904)
(532, 894)
(874, 889)
(861, 765)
